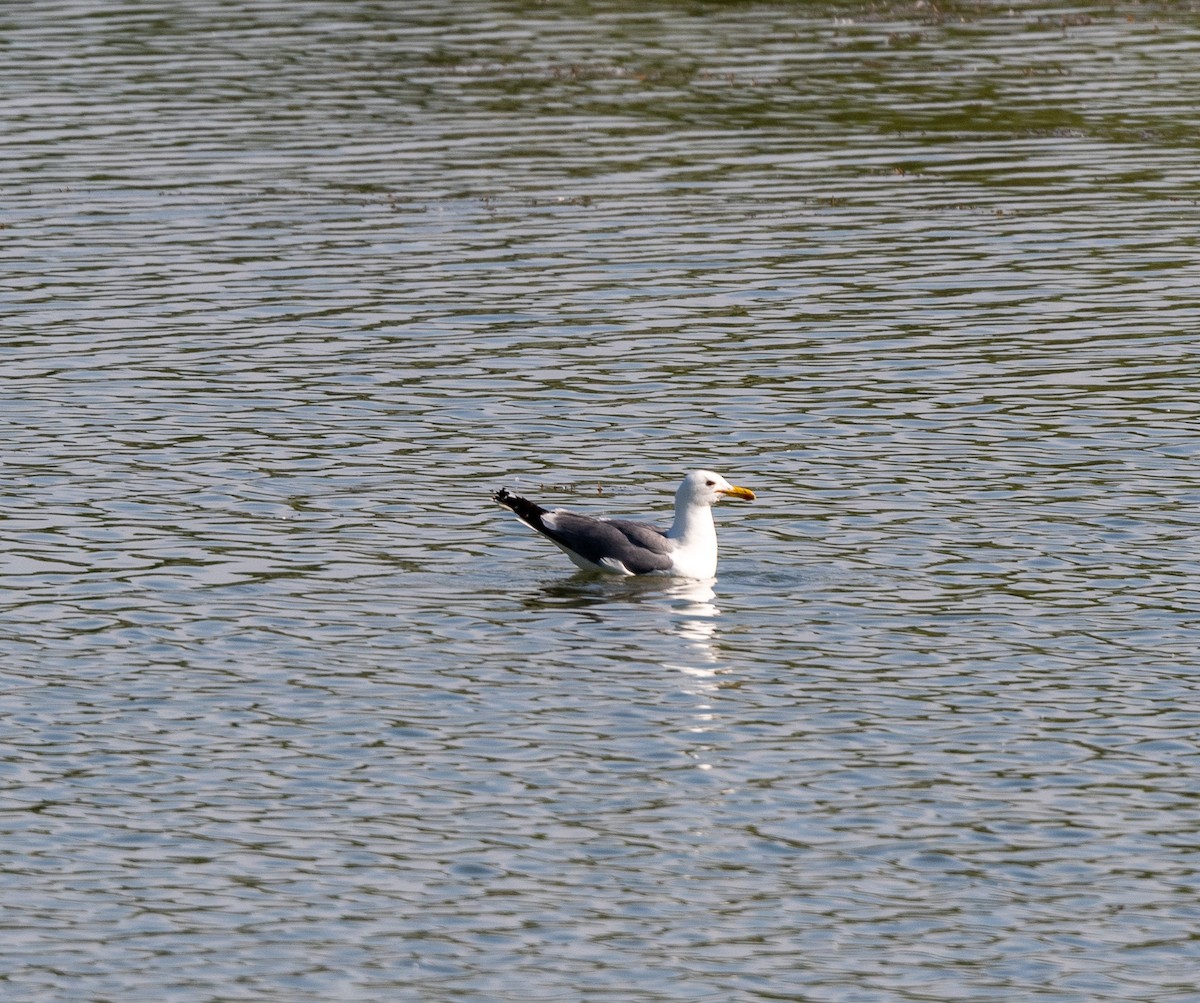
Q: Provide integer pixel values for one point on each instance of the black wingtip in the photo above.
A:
(526, 511)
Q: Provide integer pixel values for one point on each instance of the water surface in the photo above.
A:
(292, 712)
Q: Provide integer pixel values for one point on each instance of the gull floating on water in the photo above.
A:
(620, 547)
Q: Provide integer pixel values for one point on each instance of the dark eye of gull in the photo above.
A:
(709, 483)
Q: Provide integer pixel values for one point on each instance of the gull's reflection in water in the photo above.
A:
(688, 607)
(690, 644)
(694, 616)
(694, 620)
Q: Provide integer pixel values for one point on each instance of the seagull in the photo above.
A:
(620, 547)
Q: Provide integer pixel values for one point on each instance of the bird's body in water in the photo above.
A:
(624, 547)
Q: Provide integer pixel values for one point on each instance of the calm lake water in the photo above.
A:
(292, 712)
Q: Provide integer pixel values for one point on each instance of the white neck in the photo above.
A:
(693, 524)
(696, 540)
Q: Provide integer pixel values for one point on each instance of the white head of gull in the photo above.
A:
(622, 547)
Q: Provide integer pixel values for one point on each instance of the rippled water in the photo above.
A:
(291, 711)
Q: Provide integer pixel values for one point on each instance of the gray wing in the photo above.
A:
(642, 548)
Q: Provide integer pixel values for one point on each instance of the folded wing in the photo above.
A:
(639, 547)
